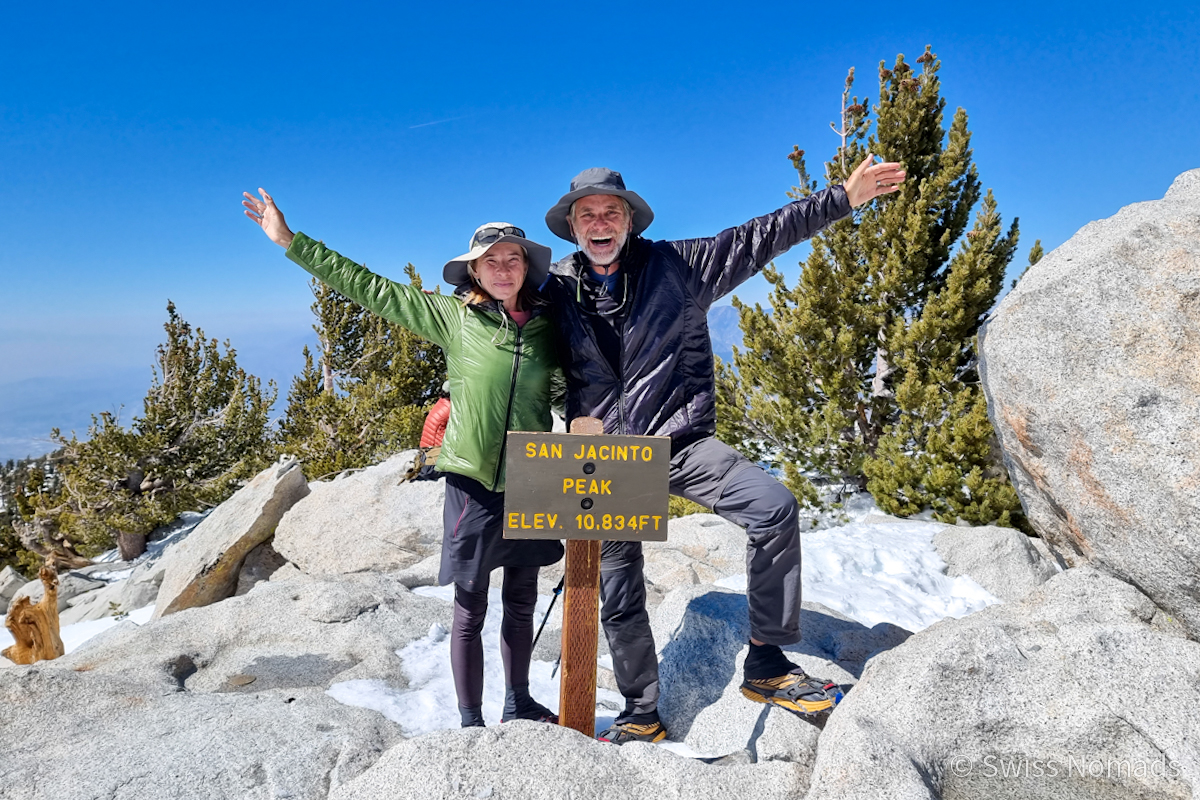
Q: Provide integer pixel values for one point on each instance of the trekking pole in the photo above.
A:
(557, 591)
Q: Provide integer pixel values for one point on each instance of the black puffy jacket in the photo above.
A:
(665, 384)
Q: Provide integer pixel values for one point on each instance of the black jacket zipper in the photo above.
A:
(585, 322)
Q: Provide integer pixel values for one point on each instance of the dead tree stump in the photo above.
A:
(35, 627)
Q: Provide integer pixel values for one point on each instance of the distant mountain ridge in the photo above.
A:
(29, 408)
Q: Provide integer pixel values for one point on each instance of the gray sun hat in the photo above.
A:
(597, 180)
(537, 256)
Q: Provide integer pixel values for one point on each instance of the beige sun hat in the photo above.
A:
(536, 255)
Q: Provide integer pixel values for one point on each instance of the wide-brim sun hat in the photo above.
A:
(537, 256)
(597, 180)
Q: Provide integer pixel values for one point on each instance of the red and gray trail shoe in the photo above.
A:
(623, 732)
(795, 691)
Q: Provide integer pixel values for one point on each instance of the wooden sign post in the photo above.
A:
(585, 487)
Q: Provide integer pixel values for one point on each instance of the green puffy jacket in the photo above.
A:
(499, 374)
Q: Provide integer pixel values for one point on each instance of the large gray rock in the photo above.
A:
(1075, 690)
(10, 582)
(363, 521)
(702, 633)
(129, 585)
(716, 546)
(731, 724)
(700, 549)
(139, 590)
(72, 734)
(284, 634)
(1002, 560)
(261, 563)
(204, 567)
(532, 761)
(1090, 368)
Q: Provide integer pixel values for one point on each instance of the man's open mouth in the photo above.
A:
(603, 242)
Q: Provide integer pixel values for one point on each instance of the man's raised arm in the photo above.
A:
(720, 263)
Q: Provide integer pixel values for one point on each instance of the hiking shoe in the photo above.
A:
(795, 691)
(533, 711)
(623, 732)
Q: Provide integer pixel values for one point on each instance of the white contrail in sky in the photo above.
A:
(437, 122)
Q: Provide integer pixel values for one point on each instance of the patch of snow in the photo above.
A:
(77, 635)
(882, 573)
(430, 703)
(112, 576)
(855, 508)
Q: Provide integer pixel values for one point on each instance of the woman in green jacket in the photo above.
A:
(499, 350)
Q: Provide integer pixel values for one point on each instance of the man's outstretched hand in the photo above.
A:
(268, 217)
(869, 180)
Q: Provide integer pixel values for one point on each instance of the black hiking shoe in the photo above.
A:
(795, 691)
(539, 714)
(623, 732)
(529, 709)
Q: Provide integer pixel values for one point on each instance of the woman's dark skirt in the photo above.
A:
(473, 542)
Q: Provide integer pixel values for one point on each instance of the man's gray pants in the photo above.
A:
(716, 476)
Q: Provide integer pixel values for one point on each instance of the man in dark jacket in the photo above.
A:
(632, 316)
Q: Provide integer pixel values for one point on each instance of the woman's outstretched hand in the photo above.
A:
(268, 217)
(869, 180)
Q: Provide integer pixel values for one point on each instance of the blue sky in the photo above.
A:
(127, 133)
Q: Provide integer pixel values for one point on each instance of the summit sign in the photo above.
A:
(586, 486)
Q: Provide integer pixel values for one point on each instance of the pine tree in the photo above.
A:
(20, 484)
(203, 430)
(863, 375)
(368, 397)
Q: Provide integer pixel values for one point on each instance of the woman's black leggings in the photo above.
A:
(516, 634)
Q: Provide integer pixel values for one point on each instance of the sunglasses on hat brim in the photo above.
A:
(492, 235)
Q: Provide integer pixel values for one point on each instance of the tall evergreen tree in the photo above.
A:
(203, 429)
(20, 484)
(367, 396)
(863, 374)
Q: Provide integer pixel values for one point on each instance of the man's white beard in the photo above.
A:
(605, 260)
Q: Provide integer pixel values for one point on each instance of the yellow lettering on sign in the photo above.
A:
(592, 451)
(556, 450)
(581, 454)
(656, 519)
(647, 454)
(567, 484)
(530, 449)
(643, 521)
(551, 520)
(620, 453)
(594, 489)
(605, 487)
(581, 486)
(539, 521)
(604, 452)
(512, 520)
